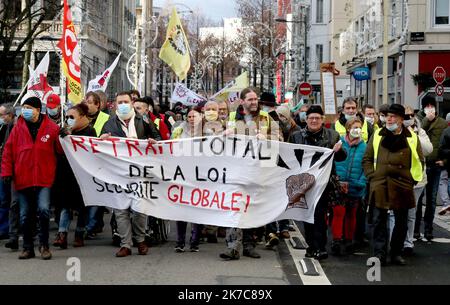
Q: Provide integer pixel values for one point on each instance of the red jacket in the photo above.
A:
(32, 164)
(161, 125)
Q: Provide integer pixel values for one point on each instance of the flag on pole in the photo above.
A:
(231, 90)
(175, 50)
(186, 96)
(37, 84)
(71, 57)
(101, 81)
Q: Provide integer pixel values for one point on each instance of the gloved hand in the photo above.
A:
(63, 132)
(7, 180)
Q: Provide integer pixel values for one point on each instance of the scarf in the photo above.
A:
(352, 142)
(130, 128)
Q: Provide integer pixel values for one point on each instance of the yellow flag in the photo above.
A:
(231, 90)
(175, 50)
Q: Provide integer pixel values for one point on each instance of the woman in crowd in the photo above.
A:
(353, 185)
(70, 198)
(189, 129)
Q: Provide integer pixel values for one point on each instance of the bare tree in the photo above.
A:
(20, 23)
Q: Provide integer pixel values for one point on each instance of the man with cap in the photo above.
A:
(392, 163)
(316, 134)
(29, 159)
(434, 126)
(54, 108)
(269, 105)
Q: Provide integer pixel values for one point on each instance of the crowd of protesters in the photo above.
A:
(387, 165)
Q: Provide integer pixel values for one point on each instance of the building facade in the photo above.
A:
(103, 29)
(419, 41)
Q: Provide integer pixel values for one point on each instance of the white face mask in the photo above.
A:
(408, 123)
(369, 120)
(430, 110)
(266, 108)
(382, 119)
(355, 133)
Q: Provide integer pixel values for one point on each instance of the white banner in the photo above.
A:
(101, 81)
(185, 96)
(230, 182)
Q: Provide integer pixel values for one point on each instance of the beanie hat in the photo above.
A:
(314, 109)
(34, 102)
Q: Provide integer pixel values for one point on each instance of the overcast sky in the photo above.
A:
(214, 9)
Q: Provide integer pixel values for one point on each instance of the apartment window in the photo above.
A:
(319, 55)
(441, 12)
(319, 11)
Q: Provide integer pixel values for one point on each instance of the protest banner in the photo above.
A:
(224, 181)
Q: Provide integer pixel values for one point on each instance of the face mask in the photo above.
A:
(430, 110)
(124, 109)
(71, 122)
(27, 114)
(349, 117)
(52, 112)
(211, 115)
(303, 116)
(408, 123)
(392, 128)
(266, 108)
(382, 119)
(18, 111)
(355, 133)
(2, 121)
(369, 120)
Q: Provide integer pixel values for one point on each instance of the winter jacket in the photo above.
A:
(427, 149)
(66, 190)
(391, 184)
(32, 164)
(434, 131)
(161, 124)
(144, 130)
(323, 138)
(350, 170)
(444, 148)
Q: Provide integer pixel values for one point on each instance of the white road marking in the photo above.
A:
(298, 255)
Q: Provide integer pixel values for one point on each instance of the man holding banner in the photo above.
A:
(127, 124)
(316, 134)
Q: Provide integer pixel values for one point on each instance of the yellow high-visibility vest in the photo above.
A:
(342, 131)
(416, 165)
(102, 118)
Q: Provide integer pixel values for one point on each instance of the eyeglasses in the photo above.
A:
(314, 118)
(409, 116)
(70, 117)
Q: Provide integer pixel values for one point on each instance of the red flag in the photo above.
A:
(71, 57)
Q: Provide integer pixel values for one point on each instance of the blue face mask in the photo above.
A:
(303, 116)
(2, 121)
(27, 114)
(124, 109)
(392, 127)
(71, 122)
(52, 112)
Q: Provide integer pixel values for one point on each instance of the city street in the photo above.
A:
(163, 266)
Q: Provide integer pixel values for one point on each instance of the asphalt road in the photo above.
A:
(98, 265)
